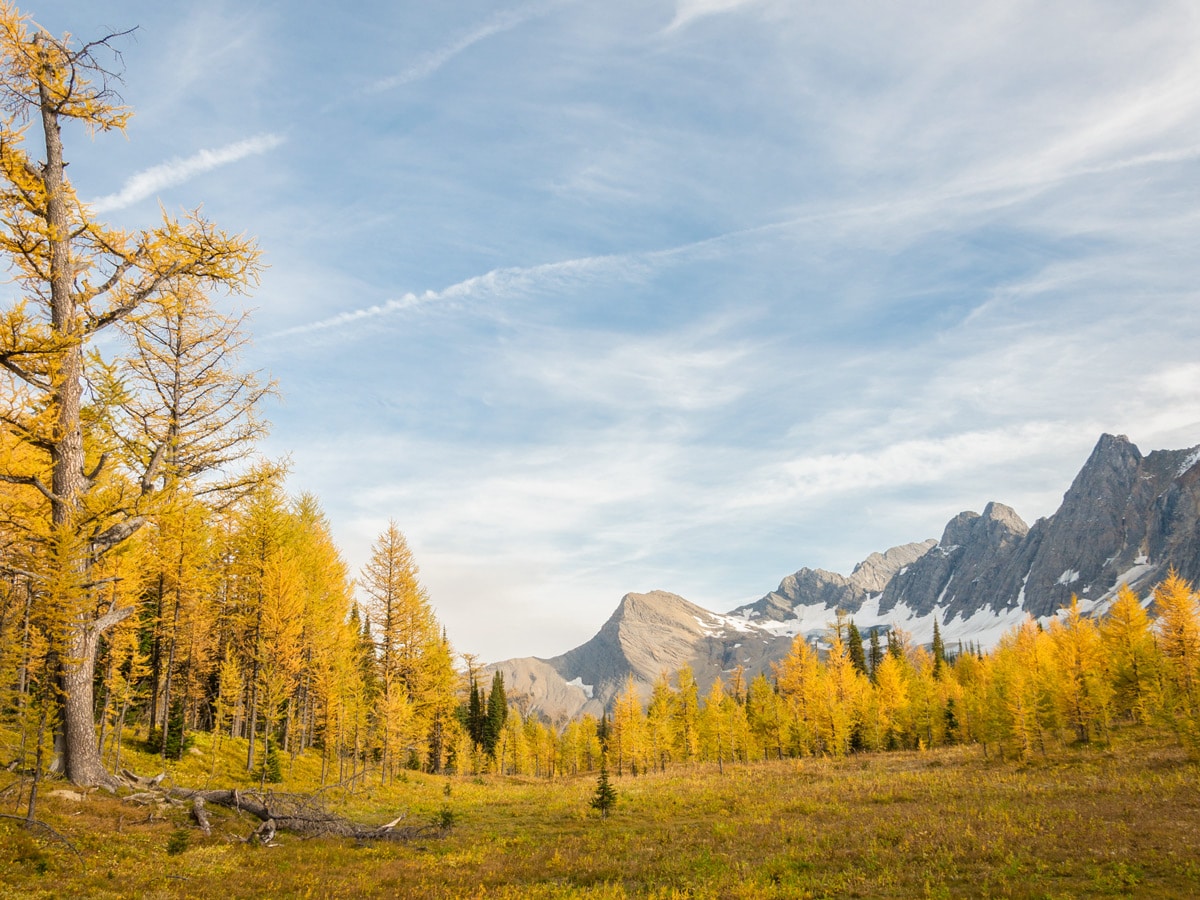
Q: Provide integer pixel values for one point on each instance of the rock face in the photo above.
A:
(1126, 519)
(810, 587)
(975, 551)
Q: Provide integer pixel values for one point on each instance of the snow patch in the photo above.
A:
(1133, 574)
(942, 596)
(1189, 462)
(577, 682)
(1068, 577)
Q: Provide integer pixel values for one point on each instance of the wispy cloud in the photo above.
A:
(497, 283)
(689, 10)
(903, 463)
(150, 181)
(430, 62)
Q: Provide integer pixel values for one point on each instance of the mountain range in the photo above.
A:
(1126, 519)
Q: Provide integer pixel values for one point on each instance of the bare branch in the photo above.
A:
(34, 482)
(114, 535)
(100, 464)
(113, 617)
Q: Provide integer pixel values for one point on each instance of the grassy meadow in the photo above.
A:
(1118, 821)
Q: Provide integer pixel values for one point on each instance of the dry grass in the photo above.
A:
(1114, 822)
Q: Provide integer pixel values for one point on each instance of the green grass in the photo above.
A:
(1111, 822)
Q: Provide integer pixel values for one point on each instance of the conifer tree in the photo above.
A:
(1131, 656)
(1084, 689)
(875, 654)
(854, 645)
(497, 714)
(687, 717)
(938, 649)
(476, 717)
(798, 676)
(605, 797)
(414, 661)
(765, 715)
(627, 737)
(659, 724)
(1178, 628)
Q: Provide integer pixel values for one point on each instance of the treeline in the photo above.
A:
(1071, 681)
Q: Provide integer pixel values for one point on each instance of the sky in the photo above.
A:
(596, 297)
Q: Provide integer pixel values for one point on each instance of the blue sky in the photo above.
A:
(597, 297)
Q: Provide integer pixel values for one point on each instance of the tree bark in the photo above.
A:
(82, 762)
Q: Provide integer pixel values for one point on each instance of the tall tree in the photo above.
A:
(854, 646)
(938, 649)
(78, 278)
(875, 653)
(414, 659)
(1131, 656)
(1178, 629)
(497, 714)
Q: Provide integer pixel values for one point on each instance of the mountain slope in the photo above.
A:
(647, 635)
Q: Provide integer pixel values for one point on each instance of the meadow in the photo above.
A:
(1114, 821)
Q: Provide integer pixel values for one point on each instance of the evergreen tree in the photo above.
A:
(603, 733)
(876, 653)
(605, 797)
(476, 717)
(938, 649)
(497, 713)
(854, 645)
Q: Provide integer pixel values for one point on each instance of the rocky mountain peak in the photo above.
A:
(958, 530)
(874, 572)
(1108, 472)
(1002, 523)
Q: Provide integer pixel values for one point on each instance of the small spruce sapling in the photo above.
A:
(605, 797)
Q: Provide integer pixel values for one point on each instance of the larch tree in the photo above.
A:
(766, 719)
(1084, 687)
(412, 656)
(798, 676)
(1178, 629)
(1132, 659)
(659, 715)
(78, 279)
(687, 717)
(628, 739)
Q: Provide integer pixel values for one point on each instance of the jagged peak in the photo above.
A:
(958, 529)
(1114, 460)
(1005, 516)
(1110, 451)
(874, 572)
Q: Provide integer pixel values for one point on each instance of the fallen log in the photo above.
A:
(300, 814)
(201, 815)
(292, 813)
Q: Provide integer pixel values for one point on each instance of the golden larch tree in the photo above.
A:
(78, 279)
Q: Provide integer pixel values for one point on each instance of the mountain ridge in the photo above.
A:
(1127, 518)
